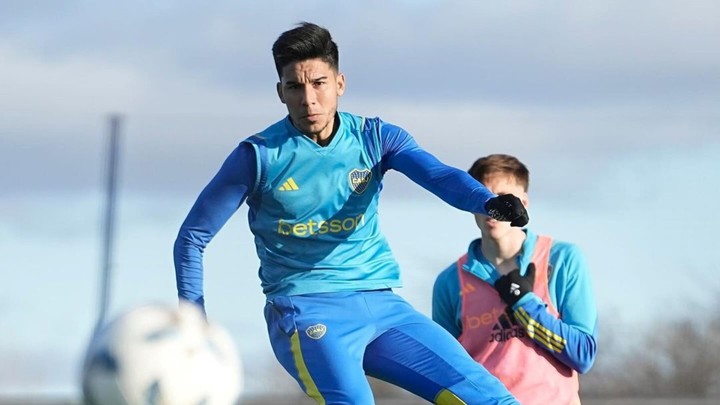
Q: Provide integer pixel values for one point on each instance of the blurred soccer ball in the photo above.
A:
(161, 355)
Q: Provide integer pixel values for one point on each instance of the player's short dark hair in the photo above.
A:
(306, 41)
(499, 163)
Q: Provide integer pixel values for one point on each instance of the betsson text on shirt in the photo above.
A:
(312, 227)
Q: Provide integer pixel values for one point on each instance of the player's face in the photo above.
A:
(310, 89)
(500, 184)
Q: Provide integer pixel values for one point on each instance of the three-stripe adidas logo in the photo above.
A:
(506, 328)
(539, 333)
(289, 185)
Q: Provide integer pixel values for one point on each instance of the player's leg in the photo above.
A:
(417, 354)
(321, 346)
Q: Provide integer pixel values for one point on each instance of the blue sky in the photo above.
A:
(613, 105)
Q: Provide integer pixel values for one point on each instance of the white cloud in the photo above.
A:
(32, 84)
(516, 51)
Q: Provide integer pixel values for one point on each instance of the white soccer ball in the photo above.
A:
(162, 355)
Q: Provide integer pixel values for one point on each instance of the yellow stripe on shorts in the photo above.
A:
(310, 388)
(446, 397)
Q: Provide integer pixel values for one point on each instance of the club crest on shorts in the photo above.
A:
(359, 180)
(316, 331)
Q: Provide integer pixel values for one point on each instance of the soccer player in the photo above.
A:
(312, 182)
(520, 303)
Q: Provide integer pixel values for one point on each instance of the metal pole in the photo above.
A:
(108, 230)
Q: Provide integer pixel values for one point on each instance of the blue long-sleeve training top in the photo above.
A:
(313, 209)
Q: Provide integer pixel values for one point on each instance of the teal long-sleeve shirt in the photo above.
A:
(320, 260)
(570, 290)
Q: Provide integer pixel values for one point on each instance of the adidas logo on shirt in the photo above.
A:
(289, 185)
(506, 328)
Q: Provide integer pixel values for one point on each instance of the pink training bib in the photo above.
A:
(494, 338)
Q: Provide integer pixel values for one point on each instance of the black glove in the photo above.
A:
(513, 286)
(507, 208)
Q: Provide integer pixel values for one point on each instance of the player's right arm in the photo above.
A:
(446, 301)
(215, 205)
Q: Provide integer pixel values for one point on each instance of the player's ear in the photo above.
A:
(340, 80)
(278, 88)
(525, 200)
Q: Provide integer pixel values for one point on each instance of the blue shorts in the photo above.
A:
(329, 342)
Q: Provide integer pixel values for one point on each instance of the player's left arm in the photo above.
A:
(572, 338)
(454, 186)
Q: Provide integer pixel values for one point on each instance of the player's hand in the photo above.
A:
(507, 208)
(513, 286)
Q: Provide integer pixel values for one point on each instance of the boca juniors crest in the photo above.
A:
(359, 180)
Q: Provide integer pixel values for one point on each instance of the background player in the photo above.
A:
(526, 311)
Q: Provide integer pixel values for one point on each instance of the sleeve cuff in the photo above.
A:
(529, 297)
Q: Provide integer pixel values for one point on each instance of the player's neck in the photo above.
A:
(324, 137)
(502, 251)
